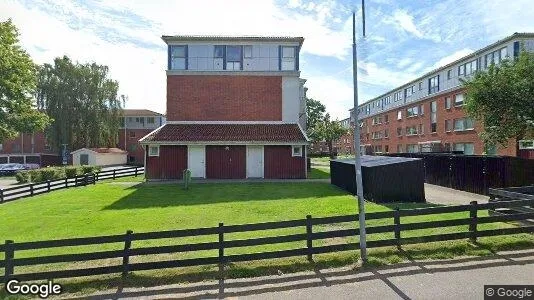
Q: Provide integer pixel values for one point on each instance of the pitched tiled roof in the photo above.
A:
(285, 133)
(107, 150)
(140, 113)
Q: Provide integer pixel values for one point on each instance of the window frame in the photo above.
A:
(433, 88)
(456, 103)
(151, 153)
(247, 48)
(172, 57)
(292, 59)
(298, 153)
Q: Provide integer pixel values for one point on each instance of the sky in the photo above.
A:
(404, 39)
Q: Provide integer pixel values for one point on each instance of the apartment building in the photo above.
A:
(135, 124)
(235, 109)
(427, 115)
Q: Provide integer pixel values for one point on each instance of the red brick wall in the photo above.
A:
(133, 143)
(39, 142)
(224, 98)
(471, 136)
(280, 164)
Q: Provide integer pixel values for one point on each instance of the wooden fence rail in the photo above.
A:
(10, 263)
(33, 189)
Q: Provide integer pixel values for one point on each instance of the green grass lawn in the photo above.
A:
(105, 209)
(319, 173)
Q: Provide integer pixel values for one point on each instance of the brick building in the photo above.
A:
(235, 109)
(427, 115)
(137, 123)
(28, 148)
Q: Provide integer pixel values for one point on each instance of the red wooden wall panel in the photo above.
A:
(170, 163)
(226, 162)
(280, 164)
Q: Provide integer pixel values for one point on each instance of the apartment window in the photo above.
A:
(420, 85)
(448, 125)
(523, 144)
(412, 130)
(247, 52)
(468, 68)
(377, 120)
(386, 119)
(218, 51)
(458, 99)
(447, 102)
(153, 150)
(433, 84)
(137, 120)
(386, 133)
(449, 74)
(397, 96)
(387, 100)
(412, 111)
(496, 57)
(433, 116)
(408, 92)
(399, 148)
(233, 57)
(131, 134)
(467, 148)
(130, 119)
(150, 120)
(399, 115)
(178, 57)
(464, 124)
(378, 149)
(288, 58)
(504, 53)
(412, 148)
(296, 151)
(386, 148)
(422, 109)
(399, 131)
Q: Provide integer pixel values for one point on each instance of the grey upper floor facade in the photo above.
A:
(448, 77)
(219, 53)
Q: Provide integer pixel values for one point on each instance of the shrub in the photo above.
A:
(22, 176)
(35, 175)
(91, 169)
(51, 174)
(71, 172)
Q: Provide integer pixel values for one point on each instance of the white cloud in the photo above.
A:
(405, 22)
(450, 58)
(335, 94)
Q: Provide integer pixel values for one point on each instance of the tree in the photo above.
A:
(315, 114)
(329, 131)
(502, 99)
(17, 84)
(83, 102)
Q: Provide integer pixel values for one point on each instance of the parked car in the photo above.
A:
(10, 169)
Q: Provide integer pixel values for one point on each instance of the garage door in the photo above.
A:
(226, 162)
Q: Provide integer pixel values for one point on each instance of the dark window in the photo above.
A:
(234, 57)
(218, 52)
(433, 84)
(131, 134)
(516, 49)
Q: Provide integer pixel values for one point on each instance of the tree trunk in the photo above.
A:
(330, 150)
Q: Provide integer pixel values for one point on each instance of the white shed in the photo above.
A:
(99, 156)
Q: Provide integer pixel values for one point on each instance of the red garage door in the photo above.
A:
(170, 163)
(226, 162)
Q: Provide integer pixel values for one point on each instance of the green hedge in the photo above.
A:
(54, 173)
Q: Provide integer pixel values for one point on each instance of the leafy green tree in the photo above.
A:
(329, 131)
(83, 102)
(502, 99)
(315, 111)
(18, 112)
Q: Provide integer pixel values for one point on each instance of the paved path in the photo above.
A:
(446, 279)
(442, 195)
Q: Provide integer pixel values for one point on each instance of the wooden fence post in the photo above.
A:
(126, 255)
(67, 182)
(309, 238)
(9, 256)
(221, 250)
(135, 171)
(113, 174)
(396, 222)
(1, 196)
(31, 189)
(48, 185)
(473, 224)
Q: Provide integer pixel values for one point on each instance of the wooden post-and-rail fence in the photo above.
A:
(221, 242)
(32, 189)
